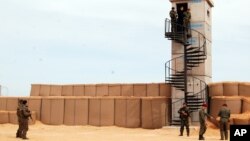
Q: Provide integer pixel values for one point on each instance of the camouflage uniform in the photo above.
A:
(184, 116)
(173, 16)
(25, 114)
(187, 18)
(202, 119)
(186, 22)
(18, 113)
(224, 115)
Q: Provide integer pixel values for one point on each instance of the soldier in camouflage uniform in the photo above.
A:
(186, 22)
(187, 18)
(173, 16)
(25, 114)
(184, 116)
(203, 123)
(224, 115)
(18, 113)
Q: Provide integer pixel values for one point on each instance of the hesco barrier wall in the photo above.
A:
(125, 105)
(137, 90)
(233, 103)
(246, 105)
(236, 95)
(52, 110)
(229, 89)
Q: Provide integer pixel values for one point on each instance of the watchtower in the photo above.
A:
(190, 68)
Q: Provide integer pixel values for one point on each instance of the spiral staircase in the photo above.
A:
(179, 70)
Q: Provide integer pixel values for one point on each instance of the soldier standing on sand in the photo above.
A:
(24, 114)
(203, 123)
(184, 116)
(18, 113)
(224, 115)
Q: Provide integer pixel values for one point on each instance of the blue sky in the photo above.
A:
(111, 41)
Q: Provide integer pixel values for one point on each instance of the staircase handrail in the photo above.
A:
(194, 30)
(201, 46)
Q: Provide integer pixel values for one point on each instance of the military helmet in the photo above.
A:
(24, 101)
(20, 101)
(204, 105)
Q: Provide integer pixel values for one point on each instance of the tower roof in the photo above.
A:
(210, 2)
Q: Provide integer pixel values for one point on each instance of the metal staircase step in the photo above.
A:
(191, 48)
(175, 36)
(195, 55)
(177, 82)
(196, 61)
(194, 52)
(175, 79)
(195, 58)
(194, 99)
(192, 65)
(180, 89)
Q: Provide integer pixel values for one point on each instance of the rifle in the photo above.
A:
(31, 117)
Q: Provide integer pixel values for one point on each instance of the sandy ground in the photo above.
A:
(41, 132)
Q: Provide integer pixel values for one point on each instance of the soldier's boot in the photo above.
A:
(18, 134)
(226, 135)
(201, 137)
(188, 133)
(24, 135)
(181, 132)
(221, 136)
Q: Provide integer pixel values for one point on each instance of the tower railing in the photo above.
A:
(179, 71)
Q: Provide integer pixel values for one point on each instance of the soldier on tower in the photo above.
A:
(186, 22)
(173, 16)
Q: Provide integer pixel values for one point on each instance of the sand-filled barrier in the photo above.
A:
(114, 90)
(3, 103)
(101, 111)
(155, 112)
(230, 89)
(52, 110)
(233, 103)
(153, 90)
(78, 90)
(76, 111)
(244, 89)
(215, 89)
(55, 90)
(14, 120)
(127, 112)
(35, 90)
(34, 104)
(4, 117)
(246, 105)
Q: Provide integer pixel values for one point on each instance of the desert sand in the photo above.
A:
(42, 132)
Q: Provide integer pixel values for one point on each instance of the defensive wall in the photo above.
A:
(144, 105)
